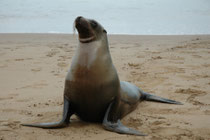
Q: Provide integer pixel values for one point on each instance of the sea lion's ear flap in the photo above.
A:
(104, 31)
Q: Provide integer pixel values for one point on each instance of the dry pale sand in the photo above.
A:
(33, 69)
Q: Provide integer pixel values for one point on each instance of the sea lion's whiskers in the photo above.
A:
(74, 28)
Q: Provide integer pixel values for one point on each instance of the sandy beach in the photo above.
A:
(33, 69)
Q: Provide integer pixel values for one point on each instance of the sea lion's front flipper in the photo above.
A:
(118, 126)
(67, 112)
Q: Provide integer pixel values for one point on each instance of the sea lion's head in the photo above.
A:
(89, 30)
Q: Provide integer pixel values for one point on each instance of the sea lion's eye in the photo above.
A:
(104, 31)
(94, 24)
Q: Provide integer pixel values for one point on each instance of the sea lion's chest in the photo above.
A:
(91, 84)
(87, 86)
(90, 95)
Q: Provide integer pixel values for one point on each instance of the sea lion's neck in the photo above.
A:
(94, 53)
(94, 57)
(92, 61)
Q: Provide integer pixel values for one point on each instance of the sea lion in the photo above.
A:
(93, 90)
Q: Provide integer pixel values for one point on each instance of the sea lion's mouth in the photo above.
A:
(84, 29)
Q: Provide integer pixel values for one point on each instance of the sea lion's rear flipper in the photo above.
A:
(154, 98)
(118, 126)
(67, 112)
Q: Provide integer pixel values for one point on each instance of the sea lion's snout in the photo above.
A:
(84, 29)
(80, 23)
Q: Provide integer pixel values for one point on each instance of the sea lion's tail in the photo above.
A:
(150, 97)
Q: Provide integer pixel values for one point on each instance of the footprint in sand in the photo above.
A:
(156, 57)
(26, 112)
(48, 103)
(19, 59)
(63, 58)
(158, 123)
(173, 133)
(135, 122)
(22, 100)
(176, 59)
(58, 133)
(172, 69)
(193, 93)
(196, 56)
(133, 65)
(178, 47)
(66, 47)
(6, 98)
(11, 96)
(62, 64)
(11, 124)
(36, 69)
(52, 53)
(36, 85)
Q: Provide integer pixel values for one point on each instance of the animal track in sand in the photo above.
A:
(172, 69)
(36, 69)
(22, 59)
(127, 46)
(6, 98)
(64, 58)
(175, 59)
(193, 93)
(30, 113)
(158, 123)
(174, 133)
(22, 100)
(10, 124)
(52, 53)
(58, 133)
(156, 57)
(35, 85)
(11, 96)
(178, 47)
(191, 47)
(19, 59)
(197, 56)
(62, 64)
(134, 122)
(168, 111)
(48, 103)
(26, 112)
(133, 65)
(66, 47)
